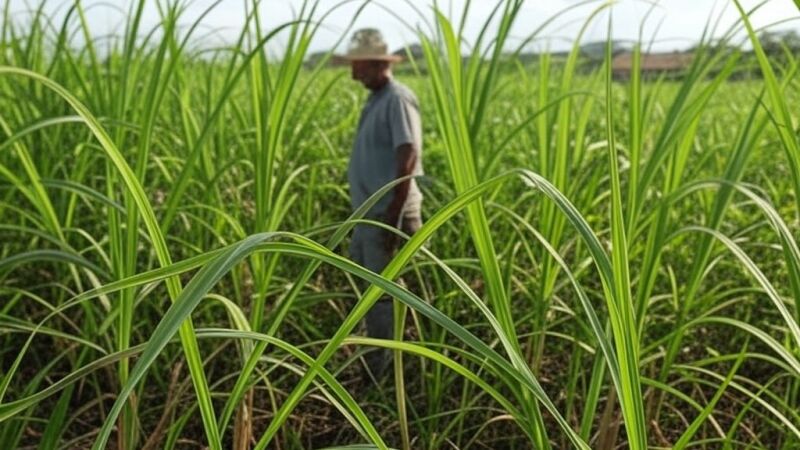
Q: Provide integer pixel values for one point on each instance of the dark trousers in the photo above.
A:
(368, 248)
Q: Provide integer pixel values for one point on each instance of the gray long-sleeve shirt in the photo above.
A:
(389, 119)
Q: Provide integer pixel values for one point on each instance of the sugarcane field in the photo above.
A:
(406, 224)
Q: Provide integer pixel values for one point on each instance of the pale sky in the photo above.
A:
(676, 24)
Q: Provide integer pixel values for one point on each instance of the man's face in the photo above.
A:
(368, 72)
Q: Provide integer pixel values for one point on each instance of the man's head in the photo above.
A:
(372, 73)
(369, 58)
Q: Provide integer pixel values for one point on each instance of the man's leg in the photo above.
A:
(356, 249)
(380, 318)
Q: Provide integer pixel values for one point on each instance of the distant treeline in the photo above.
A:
(780, 47)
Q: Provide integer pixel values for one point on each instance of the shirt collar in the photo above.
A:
(381, 91)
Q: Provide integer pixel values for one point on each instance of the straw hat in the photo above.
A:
(368, 45)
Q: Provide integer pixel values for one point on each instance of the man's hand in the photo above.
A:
(390, 241)
(390, 238)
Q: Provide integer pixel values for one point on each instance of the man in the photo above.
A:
(388, 146)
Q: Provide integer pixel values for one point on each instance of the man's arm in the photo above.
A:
(406, 155)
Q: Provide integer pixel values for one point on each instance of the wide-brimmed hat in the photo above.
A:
(368, 45)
